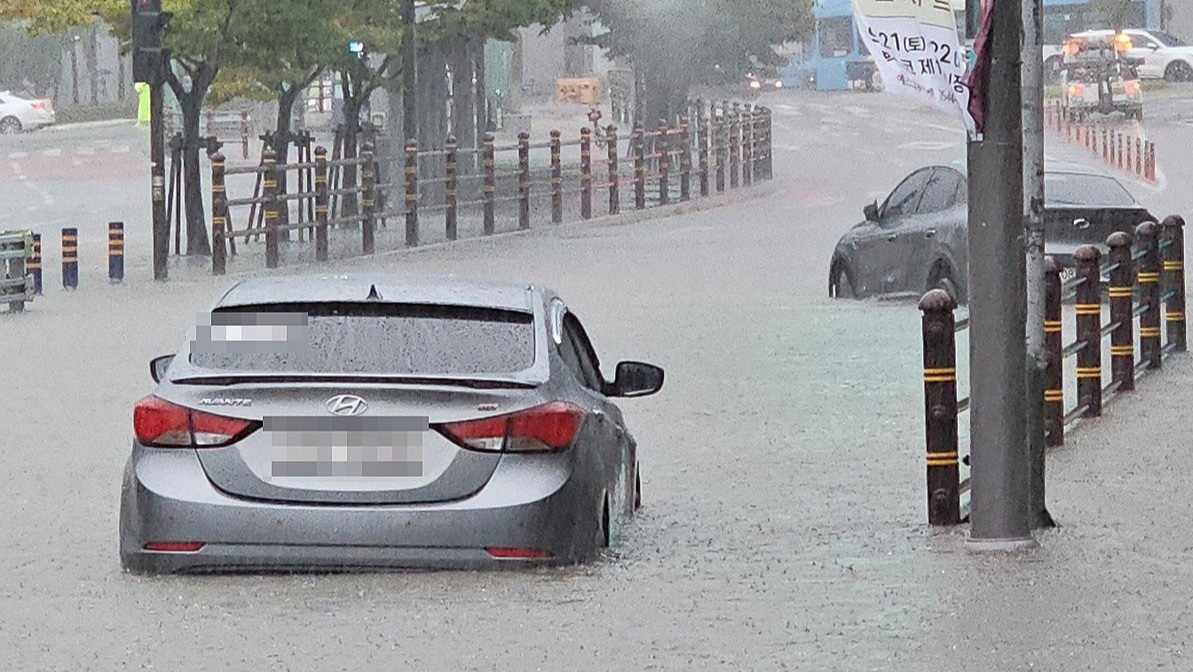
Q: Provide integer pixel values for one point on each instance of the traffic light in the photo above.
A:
(148, 23)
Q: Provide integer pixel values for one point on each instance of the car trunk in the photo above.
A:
(391, 454)
(1067, 228)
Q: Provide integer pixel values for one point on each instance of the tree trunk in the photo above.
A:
(463, 104)
(197, 243)
(282, 142)
(482, 93)
(352, 105)
(92, 58)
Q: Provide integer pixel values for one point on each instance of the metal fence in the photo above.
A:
(712, 148)
(1142, 272)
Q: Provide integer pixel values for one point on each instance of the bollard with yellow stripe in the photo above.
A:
(1089, 330)
(1122, 296)
(1147, 237)
(1054, 382)
(33, 264)
(940, 407)
(1174, 281)
(70, 258)
(115, 252)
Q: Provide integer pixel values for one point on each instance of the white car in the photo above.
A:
(18, 113)
(1162, 54)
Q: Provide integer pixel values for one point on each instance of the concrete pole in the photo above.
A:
(997, 268)
(1033, 205)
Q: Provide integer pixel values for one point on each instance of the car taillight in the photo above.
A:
(160, 424)
(1132, 87)
(37, 105)
(548, 427)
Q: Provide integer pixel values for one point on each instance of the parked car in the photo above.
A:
(917, 239)
(334, 423)
(1161, 54)
(19, 113)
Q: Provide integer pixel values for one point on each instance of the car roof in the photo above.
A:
(434, 290)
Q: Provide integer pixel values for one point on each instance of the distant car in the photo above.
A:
(756, 85)
(917, 239)
(18, 113)
(1098, 76)
(338, 423)
(1162, 55)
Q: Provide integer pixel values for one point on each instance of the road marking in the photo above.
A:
(52, 152)
(123, 149)
(87, 151)
(18, 155)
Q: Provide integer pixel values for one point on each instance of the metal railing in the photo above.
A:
(1143, 272)
(660, 172)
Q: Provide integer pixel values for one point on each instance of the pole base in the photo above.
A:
(1001, 545)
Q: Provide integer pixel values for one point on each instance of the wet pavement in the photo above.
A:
(783, 475)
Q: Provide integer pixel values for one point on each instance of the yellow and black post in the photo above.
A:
(940, 407)
(1174, 280)
(1089, 330)
(1054, 376)
(322, 201)
(734, 145)
(33, 264)
(702, 144)
(452, 191)
(614, 171)
(219, 218)
(490, 186)
(639, 165)
(557, 177)
(663, 150)
(115, 252)
(523, 180)
(719, 135)
(747, 146)
(1122, 298)
(411, 194)
(1147, 235)
(70, 258)
(586, 172)
(685, 158)
(271, 207)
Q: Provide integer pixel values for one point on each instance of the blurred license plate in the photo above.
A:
(1067, 274)
(366, 450)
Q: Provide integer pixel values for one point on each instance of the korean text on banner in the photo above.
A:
(918, 52)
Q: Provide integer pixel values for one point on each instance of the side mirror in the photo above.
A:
(871, 212)
(635, 379)
(158, 367)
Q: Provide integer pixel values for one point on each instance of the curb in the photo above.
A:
(757, 191)
(80, 125)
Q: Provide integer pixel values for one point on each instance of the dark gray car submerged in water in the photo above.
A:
(329, 423)
(917, 239)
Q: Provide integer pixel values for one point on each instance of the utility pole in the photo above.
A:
(150, 61)
(409, 73)
(997, 298)
(1033, 207)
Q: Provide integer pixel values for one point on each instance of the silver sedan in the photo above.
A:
(349, 423)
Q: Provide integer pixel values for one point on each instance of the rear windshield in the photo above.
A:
(357, 338)
(1073, 189)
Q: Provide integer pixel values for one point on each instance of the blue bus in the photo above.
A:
(836, 59)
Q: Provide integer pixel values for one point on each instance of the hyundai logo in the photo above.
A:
(346, 404)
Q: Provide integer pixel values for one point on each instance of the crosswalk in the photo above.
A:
(80, 151)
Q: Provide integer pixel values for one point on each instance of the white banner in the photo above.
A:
(919, 55)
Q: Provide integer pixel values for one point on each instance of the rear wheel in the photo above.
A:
(942, 277)
(1178, 71)
(10, 125)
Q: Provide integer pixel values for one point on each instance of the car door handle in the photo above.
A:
(1082, 223)
(930, 233)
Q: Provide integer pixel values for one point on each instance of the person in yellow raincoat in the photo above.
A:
(142, 90)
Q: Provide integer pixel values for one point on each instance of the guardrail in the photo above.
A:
(732, 145)
(1142, 272)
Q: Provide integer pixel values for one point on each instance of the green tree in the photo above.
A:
(676, 44)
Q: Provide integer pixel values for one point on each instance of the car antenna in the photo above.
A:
(374, 295)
